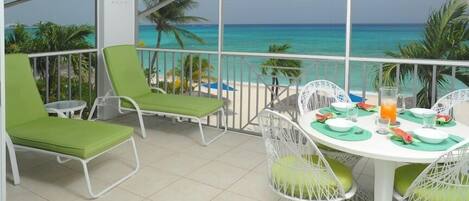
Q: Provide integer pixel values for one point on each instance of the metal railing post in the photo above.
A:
(219, 56)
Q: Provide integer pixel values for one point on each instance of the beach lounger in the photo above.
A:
(30, 128)
(133, 93)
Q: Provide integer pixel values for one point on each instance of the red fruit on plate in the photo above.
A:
(406, 137)
(442, 117)
(323, 117)
(365, 106)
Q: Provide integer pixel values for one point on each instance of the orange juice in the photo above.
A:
(389, 111)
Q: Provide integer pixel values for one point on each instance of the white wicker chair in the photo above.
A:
(318, 94)
(446, 179)
(445, 104)
(296, 168)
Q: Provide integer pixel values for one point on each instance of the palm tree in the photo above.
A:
(169, 17)
(445, 38)
(50, 37)
(195, 68)
(276, 67)
(19, 40)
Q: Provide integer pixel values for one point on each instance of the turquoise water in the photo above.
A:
(367, 40)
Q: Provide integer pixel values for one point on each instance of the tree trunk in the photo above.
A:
(155, 56)
(274, 92)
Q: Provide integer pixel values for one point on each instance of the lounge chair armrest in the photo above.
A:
(100, 101)
(158, 89)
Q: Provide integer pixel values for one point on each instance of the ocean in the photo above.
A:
(320, 39)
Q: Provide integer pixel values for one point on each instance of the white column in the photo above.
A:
(136, 23)
(348, 34)
(220, 46)
(2, 105)
(115, 26)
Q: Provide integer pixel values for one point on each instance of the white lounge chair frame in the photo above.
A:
(100, 101)
(84, 162)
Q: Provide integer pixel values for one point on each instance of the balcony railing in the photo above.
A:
(66, 75)
(247, 85)
(247, 89)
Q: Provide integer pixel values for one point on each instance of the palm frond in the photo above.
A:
(445, 37)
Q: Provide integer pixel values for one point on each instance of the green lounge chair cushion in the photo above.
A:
(287, 172)
(125, 72)
(405, 175)
(128, 79)
(177, 104)
(79, 138)
(23, 102)
(28, 123)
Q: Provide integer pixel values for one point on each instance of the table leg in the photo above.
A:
(384, 180)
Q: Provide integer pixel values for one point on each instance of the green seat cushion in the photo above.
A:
(288, 173)
(177, 104)
(326, 148)
(79, 138)
(23, 102)
(125, 71)
(405, 175)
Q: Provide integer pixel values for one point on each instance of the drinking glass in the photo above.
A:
(429, 121)
(401, 103)
(352, 114)
(383, 125)
(388, 109)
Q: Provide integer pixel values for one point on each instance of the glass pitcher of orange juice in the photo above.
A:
(388, 109)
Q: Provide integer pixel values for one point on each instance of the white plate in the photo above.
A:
(340, 125)
(422, 112)
(342, 107)
(430, 135)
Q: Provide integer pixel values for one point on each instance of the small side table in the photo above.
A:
(66, 109)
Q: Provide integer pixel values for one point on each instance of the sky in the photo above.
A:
(245, 11)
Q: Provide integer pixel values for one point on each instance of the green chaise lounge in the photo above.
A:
(133, 93)
(30, 128)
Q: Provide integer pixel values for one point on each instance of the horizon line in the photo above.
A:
(7, 25)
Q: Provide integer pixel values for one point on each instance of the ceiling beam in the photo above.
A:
(14, 3)
(158, 6)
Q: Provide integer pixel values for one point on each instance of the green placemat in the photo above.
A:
(361, 113)
(422, 146)
(410, 117)
(346, 136)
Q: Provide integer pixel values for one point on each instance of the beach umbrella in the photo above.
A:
(224, 86)
(356, 99)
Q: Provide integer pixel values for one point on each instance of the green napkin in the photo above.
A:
(422, 146)
(361, 113)
(410, 117)
(345, 136)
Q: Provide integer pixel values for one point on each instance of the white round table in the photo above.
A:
(66, 109)
(387, 155)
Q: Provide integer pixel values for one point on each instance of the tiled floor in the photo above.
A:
(174, 168)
